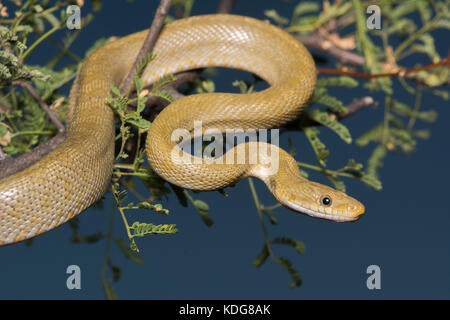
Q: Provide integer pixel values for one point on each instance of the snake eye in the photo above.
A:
(326, 201)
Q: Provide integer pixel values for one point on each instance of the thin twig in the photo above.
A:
(52, 115)
(354, 107)
(317, 41)
(149, 42)
(400, 73)
(258, 209)
(156, 103)
(336, 24)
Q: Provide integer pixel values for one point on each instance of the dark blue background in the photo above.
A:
(405, 230)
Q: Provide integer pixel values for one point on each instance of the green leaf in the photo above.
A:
(262, 257)
(129, 253)
(154, 183)
(203, 210)
(140, 229)
(422, 134)
(427, 47)
(443, 23)
(296, 244)
(38, 8)
(375, 134)
(109, 291)
(295, 275)
(331, 123)
(336, 181)
(116, 91)
(4, 72)
(403, 135)
(117, 273)
(140, 123)
(9, 57)
(139, 84)
(305, 7)
(372, 182)
(93, 238)
(404, 8)
(434, 78)
(155, 207)
(427, 116)
(204, 85)
(244, 86)
(365, 45)
(291, 149)
(424, 10)
(143, 63)
(373, 164)
(352, 165)
(441, 93)
(96, 5)
(181, 196)
(141, 104)
(272, 219)
(52, 19)
(342, 81)
(404, 110)
(321, 96)
(3, 129)
(402, 26)
(273, 14)
(164, 94)
(319, 148)
(163, 82)
(304, 173)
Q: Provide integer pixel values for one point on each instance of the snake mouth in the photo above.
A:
(320, 215)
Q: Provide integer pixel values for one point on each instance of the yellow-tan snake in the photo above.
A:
(76, 174)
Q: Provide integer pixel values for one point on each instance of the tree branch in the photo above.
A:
(400, 73)
(10, 165)
(52, 115)
(354, 107)
(157, 104)
(317, 41)
(149, 42)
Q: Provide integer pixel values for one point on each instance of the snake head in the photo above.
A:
(299, 194)
(321, 201)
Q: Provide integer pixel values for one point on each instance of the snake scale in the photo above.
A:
(76, 174)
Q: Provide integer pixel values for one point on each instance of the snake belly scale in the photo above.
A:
(76, 174)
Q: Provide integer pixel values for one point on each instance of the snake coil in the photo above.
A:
(76, 174)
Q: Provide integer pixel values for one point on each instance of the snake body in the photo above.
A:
(76, 174)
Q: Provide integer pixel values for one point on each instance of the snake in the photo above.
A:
(77, 173)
